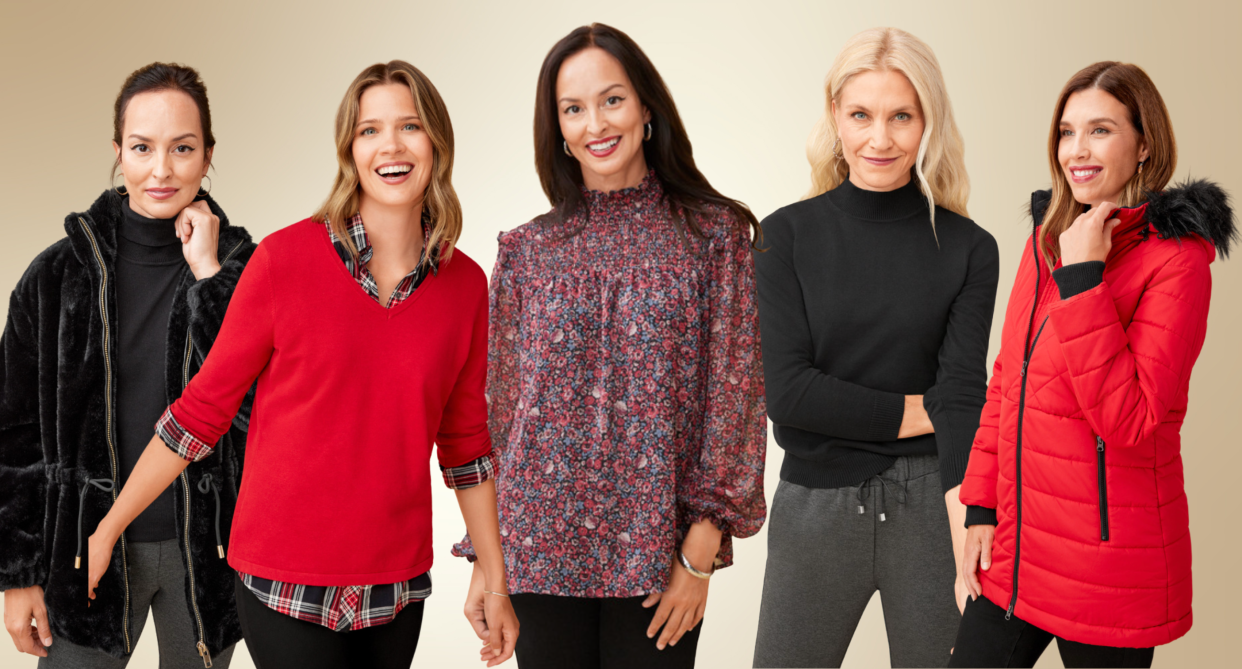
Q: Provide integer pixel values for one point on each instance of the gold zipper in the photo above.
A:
(103, 312)
(201, 646)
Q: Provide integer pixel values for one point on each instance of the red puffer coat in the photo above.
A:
(1078, 449)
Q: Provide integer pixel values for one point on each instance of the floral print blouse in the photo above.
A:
(625, 392)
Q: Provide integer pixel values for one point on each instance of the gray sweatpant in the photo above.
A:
(156, 583)
(826, 560)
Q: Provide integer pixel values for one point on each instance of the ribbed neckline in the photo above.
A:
(147, 239)
(879, 206)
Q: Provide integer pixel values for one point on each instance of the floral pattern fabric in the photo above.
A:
(625, 392)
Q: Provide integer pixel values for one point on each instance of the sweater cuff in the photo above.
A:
(886, 417)
(980, 515)
(1078, 277)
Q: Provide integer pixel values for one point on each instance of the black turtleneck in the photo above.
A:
(858, 307)
(148, 266)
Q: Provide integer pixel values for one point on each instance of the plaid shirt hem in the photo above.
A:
(179, 439)
(470, 474)
(339, 608)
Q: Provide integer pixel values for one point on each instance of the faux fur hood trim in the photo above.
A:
(1193, 207)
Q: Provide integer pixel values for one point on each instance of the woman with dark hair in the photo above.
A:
(104, 329)
(332, 534)
(1078, 523)
(625, 381)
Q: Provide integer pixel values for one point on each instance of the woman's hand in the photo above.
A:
(500, 616)
(1090, 238)
(21, 606)
(977, 554)
(957, 530)
(199, 232)
(915, 421)
(682, 605)
(99, 555)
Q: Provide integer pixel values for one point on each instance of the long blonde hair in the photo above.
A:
(941, 164)
(440, 201)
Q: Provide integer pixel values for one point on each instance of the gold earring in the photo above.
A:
(121, 190)
(648, 137)
(565, 145)
(836, 149)
(1141, 166)
(208, 191)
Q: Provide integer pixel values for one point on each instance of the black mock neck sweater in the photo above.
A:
(859, 307)
(149, 265)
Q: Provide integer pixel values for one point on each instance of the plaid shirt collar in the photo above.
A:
(357, 266)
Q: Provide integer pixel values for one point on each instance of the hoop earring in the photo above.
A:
(565, 145)
(647, 138)
(836, 149)
(122, 191)
(200, 188)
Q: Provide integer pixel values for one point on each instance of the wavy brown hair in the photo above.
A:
(668, 151)
(1150, 118)
(440, 201)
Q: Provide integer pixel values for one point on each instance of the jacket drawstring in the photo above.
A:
(864, 490)
(105, 485)
(205, 484)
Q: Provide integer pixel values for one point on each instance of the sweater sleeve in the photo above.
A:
(726, 486)
(955, 402)
(503, 381)
(462, 436)
(1127, 378)
(203, 413)
(799, 394)
(208, 301)
(23, 478)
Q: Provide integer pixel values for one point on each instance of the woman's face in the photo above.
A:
(162, 155)
(880, 123)
(1100, 148)
(392, 152)
(602, 120)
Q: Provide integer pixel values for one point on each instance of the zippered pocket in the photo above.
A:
(1103, 486)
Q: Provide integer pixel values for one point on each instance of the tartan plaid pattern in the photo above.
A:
(339, 608)
(358, 266)
(179, 439)
(470, 474)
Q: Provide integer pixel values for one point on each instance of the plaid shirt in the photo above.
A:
(342, 608)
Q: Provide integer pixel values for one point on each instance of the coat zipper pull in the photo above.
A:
(205, 654)
(1024, 364)
(1099, 444)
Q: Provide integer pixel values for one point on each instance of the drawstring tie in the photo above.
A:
(205, 484)
(105, 485)
(864, 490)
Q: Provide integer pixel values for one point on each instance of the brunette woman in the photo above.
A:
(876, 295)
(1078, 516)
(367, 333)
(103, 331)
(625, 385)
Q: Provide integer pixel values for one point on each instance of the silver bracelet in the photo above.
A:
(685, 562)
(498, 594)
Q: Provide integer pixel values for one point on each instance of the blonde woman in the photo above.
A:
(875, 303)
(367, 334)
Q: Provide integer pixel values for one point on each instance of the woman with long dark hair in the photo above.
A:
(625, 382)
(1078, 524)
(104, 330)
(332, 534)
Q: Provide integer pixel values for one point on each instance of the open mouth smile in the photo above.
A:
(1084, 173)
(604, 147)
(394, 173)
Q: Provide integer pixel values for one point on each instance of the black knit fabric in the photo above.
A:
(861, 304)
(1078, 277)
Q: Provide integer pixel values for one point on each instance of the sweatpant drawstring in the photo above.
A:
(105, 485)
(205, 484)
(864, 490)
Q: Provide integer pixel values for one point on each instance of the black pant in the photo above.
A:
(986, 639)
(278, 641)
(590, 633)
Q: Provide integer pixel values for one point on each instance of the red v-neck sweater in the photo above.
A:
(351, 396)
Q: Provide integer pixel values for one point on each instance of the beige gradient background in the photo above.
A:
(747, 77)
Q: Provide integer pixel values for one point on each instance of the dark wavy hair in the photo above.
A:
(162, 77)
(668, 151)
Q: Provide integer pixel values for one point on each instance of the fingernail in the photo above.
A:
(987, 565)
(47, 641)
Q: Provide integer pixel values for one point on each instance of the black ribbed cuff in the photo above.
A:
(886, 417)
(1079, 277)
(980, 515)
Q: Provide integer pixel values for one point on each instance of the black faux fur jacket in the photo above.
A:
(57, 431)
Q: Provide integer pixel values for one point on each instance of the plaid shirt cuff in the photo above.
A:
(470, 474)
(179, 439)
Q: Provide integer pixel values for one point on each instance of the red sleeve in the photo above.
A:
(462, 435)
(241, 351)
(1127, 378)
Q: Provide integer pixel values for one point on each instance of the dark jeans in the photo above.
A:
(277, 641)
(589, 633)
(986, 639)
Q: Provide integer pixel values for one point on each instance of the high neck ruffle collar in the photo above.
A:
(648, 191)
